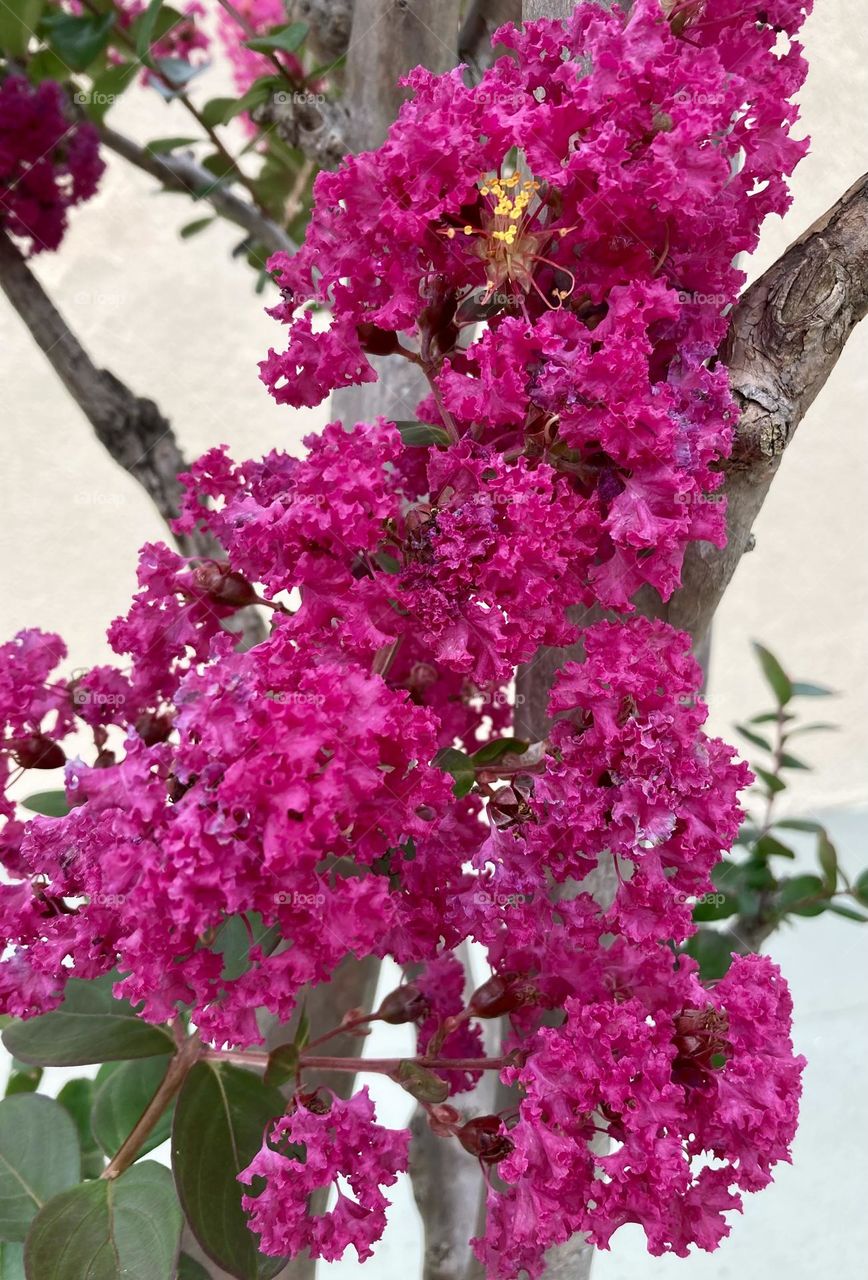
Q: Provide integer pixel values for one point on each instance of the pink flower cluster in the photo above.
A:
(564, 321)
(48, 162)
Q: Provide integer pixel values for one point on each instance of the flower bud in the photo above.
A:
(421, 1083)
(502, 993)
(405, 1004)
(483, 1137)
(37, 751)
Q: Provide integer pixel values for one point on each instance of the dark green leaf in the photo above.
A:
(715, 906)
(190, 1269)
(45, 65)
(802, 896)
(773, 783)
(77, 1097)
(52, 804)
(422, 433)
(218, 111)
(282, 1065)
(78, 40)
(23, 1079)
(847, 912)
(804, 689)
(221, 1116)
(458, 763)
(89, 1026)
(146, 29)
(122, 1099)
(495, 750)
(860, 888)
(107, 88)
(768, 847)
(799, 824)
(160, 146)
(260, 91)
(193, 228)
(12, 1262)
(767, 717)
(792, 762)
(420, 1082)
(827, 856)
(39, 1156)
(17, 25)
(777, 679)
(757, 739)
(127, 1228)
(221, 166)
(713, 951)
(235, 938)
(286, 40)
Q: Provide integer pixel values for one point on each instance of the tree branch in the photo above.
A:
(131, 428)
(181, 173)
(482, 19)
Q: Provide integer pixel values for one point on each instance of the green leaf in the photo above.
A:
(791, 762)
(126, 1228)
(39, 1156)
(458, 763)
(800, 824)
(804, 689)
(282, 1065)
(757, 739)
(847, 912)
(107, 88)
(715, 906)
(77, 1097)
(420, 1082)
(190, 1269)
(235, 938)
(45, 65)
(768, 847)
(23, 1079)
(12, 1262)
(422, 433)
(712, 950)
(52, 804)
(860, 888)
(221, 166)
(801, 896)
(218, 111)
(286, 40)
(220, 1118)
(260, 91)
(827, 856)
(18, 25)
(776, 678)
(772, 782)
(89, 1026)
(495, 750)
(818, 725)
(121, 1100)
(146, 29)
(193, 228)
(161, 146)
(78, 41)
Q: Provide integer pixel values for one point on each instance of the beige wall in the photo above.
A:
(180, 322)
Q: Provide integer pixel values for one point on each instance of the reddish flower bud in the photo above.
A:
(153, 728)
(405, 1004)
(502, 993)
(483, 1137)
(701, 1043)
(223, 585)
(37, 751)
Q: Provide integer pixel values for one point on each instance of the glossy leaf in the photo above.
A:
(39, 1157)
(120, 1101)
(495, 750)
(458, 763)
(89, 1026)
(126, 1228)
(221, 1116)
